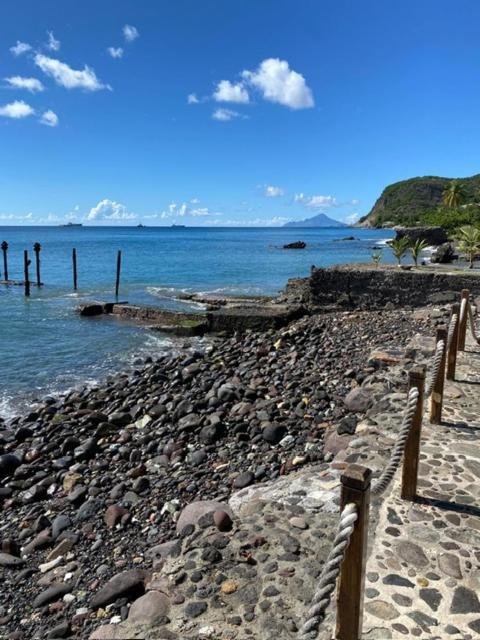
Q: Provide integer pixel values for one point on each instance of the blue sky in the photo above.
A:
(219, 112)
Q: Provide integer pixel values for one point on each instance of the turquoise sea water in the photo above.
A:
(46, 348)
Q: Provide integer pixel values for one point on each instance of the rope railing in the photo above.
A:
(347, 557)
(388, 473)
(437, 363)
(328, 577)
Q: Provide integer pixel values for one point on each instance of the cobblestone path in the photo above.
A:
(423, 572)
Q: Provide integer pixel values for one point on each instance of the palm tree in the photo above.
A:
(399, 248)
(377, 257)
(454, 194)
(469, 237)
(416, 249)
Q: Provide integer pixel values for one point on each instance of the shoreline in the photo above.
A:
(106, 472)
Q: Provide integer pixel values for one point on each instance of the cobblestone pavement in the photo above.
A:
(423, 571)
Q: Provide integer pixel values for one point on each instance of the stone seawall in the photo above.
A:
(367, 287)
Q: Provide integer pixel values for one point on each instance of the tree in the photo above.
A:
(454, 194)
(416, 249)
(399, 248)
(469, 242)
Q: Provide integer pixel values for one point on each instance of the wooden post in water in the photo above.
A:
(412, 448)
(74, 264)
(452, 352)
(462, 332)
(355, 488)
(5, 262)
(117, 280)
(37, 248)
(436, 402)
(26, 263)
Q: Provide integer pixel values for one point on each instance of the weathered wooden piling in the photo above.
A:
(355, 488)
(117, 280)
(453, 347)
(37, 248)
(436, 402)
(26, 264)
(74, 265)
(412, 446)
(5, 261)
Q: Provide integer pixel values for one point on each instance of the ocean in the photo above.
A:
(47, 348)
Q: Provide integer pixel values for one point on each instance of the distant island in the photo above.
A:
(320, 220)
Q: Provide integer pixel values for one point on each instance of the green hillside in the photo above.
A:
(409, 202)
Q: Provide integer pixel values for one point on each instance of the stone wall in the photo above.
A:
(368, 287)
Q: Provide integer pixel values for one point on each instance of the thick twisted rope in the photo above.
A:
(394, 462)
(436, 367)
(329, 574)
(463, 310)
(472, 324)
(451, 330)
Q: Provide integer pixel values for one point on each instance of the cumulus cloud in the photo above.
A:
(53, 44)
(278, 83)
(20, 48)
(109, 210)
(192, 98)
(316, 202)
(273, 192)
(67, 77)
(115, 52)
(49, 118)
(224, 115)
(229, 92)
(29, 84)
(130, 33)
(17, 109)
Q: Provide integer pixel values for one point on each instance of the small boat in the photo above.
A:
(72, 224)
(178, 226)
(140, 226)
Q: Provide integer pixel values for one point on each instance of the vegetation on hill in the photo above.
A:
(429, 200)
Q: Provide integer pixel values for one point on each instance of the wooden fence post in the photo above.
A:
(412, 448)
(117, 279)
(5, 261)
(462, 332)
(26, 263)
(74, 265)
(437, 391)
(37, 248)
(355, 488)
(452, 352)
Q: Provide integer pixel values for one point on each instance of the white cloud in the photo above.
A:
(16, 109)
(67, 77)
(194, 201)
(115, 52)
(53, 44)
(224, 115)
(185, 211)
(20, 48)
(49, 118)
(354, 202)
(316, 202)
(229, 92)
(352, 218)
(278, 83)
(192, 98)
(29, 84)
(273, 192)
(109, 210)
(130, 33)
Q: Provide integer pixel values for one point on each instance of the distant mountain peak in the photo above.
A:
(320, 220)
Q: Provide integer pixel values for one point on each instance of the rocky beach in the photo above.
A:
(103, 491)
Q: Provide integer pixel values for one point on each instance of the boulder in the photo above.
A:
(444, 254)
(295, 245)
(358, 400)
(192, 513)
(149, 609)
(128, 584)
(431, 235)
(94, 309)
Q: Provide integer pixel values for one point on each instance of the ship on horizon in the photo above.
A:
(72, 224)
